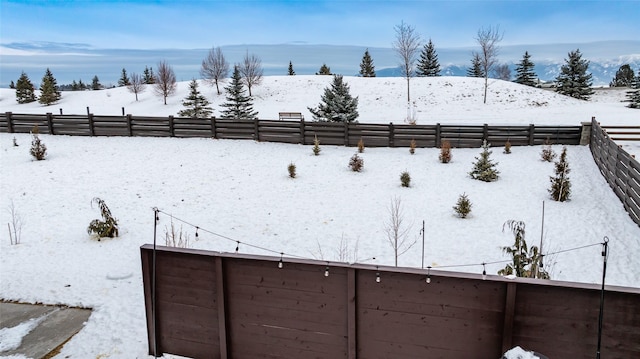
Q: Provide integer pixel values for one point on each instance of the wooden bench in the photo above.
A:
(290, 116)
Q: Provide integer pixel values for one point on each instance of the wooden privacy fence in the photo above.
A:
(328, 133)
(204, 304)
(621, 171)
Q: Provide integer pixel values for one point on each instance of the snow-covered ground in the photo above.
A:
(241, 190)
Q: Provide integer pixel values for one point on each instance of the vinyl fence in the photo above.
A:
(328, 133)
(204, 304)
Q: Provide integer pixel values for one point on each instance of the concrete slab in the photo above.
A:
(55, 326)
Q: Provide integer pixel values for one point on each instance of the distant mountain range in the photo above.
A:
(70, 62)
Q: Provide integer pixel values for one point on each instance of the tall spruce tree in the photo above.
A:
(428, 64)
(25, 91)
(337, 104)
(484, 168)
(238, 106)
(573, 80)
(324, 70)
(196, 105)
(95, 83)
(49, 93)
(12, 85)
(633, 96)
(290, 71)
(560, 185)
(367, 69)
(476, 66)
(525, 75)
(124, 79)
(148, 77)
(624, 77)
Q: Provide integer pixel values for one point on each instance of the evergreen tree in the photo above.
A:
(196, 104)
(476, 66)
(49, 93)
(124, 79)
(25, 91)
(624, 77)
(81, 85)
(95, 83)
(634, 95)
(560, 185)
(324, 70)
(238, 106)
(74, 85)
(12, 85)
(428, 64)
(148, 76)
(336, 104)
(525, 74)
(573, 79)
(366, 66)
(484, 168)
(290, 72)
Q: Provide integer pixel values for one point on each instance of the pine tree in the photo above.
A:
(484, 168)
(476, 66)
(290, 72)
(49, 93)
(560, 185)
(463, 206)
(12, 85)
(634, 95)
(25, 91)
(148, 76)
(81, 85)
(336, 104)
(367, 69)
(124, 79)
(238, 105)
(624, 77)
(196, 104)
(573, 79)
(74, 86)
(428, 64)
(95, 83)
(324, 70)
(525, 74)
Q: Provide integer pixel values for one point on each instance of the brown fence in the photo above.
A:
(328, 133)
(213, 305)
(619, 168)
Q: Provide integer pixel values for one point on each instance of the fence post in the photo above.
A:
(302, 136)
(171, 130)
(485, 133)
(256, 130)
(352, 330)
(222, 311)
(585, 133)
(122, 110)
(213, 127)
(50, 122)
(391, 135)
(129, 125)
(61, 110)
(9, 121)
(532, 131)
(438, 139)
(509, 315)
(88, 111)
(346, 134)
(91, 129)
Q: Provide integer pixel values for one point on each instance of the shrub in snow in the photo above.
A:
(412, 146)
(316, 146)
(292, 170)
(38, 149)
(360, 145)
(445, 152)
(484, 168)
(108, 227)
(15, 142)
(547, 153)
(507, 147)
(463, 206)
(356, 163)
(560, 185)
(525, 262)
(175, 237)
(405, 179)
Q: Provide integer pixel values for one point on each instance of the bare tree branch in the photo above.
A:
(215, 68)
(488, 39)
(251, 70)
(406, 45)
(165, 80)
(397, 232)
(136, 84)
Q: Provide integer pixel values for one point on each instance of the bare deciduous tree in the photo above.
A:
(136, 84)
(406, 45)
(397, 231)
(15, 226)
(215, 68)
(502, 72)
(165, 80)
(488, 39)
(251, 71)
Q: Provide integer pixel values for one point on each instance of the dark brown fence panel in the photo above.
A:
(235, 130)
(110, 126)
(192, 127)
(216, 305)
(462, 136)
(620, 170)
(23, 123)
(497, 136)
(372, 135)
(622, 133)
(423, 135)
(328, 133)
(151, 126)
(279, 131)
(75, 125)
(558, 135)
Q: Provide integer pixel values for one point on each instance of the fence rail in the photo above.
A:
(204, 304)
(619, 168)
(328, 133)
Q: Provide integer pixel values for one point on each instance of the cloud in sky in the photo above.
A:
(202, 24)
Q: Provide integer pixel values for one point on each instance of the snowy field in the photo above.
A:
(241, 190)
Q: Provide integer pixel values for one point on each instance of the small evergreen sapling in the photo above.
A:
(38, 149)
(412, 146)
(507, 147)
(108, 227)
(484, 169)
(356, 163)
(405, 179)
(316, 146)
(360, 145)
(445, 152)
(547, 153)
(463, 206)
(292, 170)
(560, 185)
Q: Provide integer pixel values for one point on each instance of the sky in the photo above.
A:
(197, 24)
